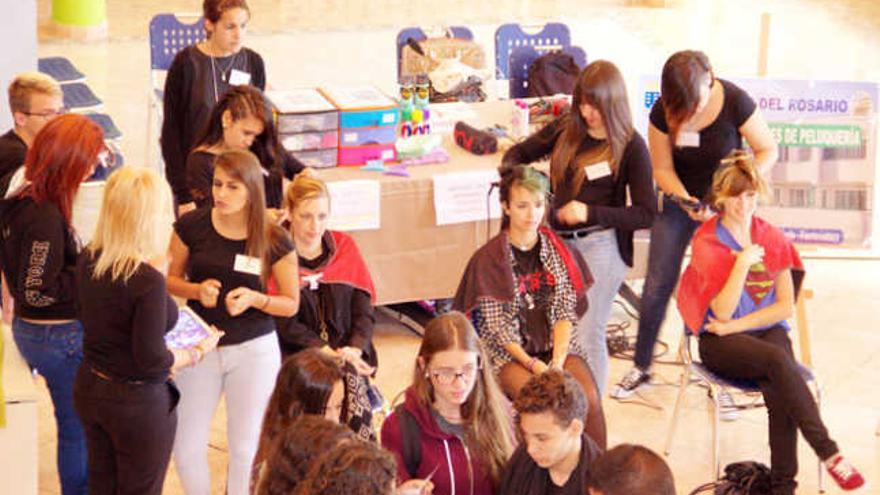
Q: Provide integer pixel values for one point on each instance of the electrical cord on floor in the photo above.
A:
(623, 346)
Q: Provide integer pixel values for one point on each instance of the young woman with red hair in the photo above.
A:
(38, 256)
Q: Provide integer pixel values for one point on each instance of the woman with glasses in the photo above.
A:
(38, 255)
(452, 434)
(524, 290)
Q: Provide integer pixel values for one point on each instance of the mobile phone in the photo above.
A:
(686, 203)
(189, 330)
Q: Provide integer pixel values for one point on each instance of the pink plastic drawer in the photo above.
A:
(360, 155)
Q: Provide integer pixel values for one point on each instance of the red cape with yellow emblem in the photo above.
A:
(712, 261)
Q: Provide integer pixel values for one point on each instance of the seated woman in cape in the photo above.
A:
(525, 290)
(735, 295)
(336, 298)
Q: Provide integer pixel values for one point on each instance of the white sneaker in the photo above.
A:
(728, 411)
(630, 383)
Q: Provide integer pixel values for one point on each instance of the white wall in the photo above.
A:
(18, 37)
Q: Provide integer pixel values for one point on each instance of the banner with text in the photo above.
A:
(823, 186)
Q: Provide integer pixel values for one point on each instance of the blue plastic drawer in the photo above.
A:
(368, 135)
(381, 117)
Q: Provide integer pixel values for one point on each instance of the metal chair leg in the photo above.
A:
(716, 441)
(682, 388)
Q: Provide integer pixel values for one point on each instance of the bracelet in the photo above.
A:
(194, 356)
(268, 299)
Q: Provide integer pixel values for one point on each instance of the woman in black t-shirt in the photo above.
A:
(199, 75)
(221, 259)
(696, 122)
(123, 392)
(242, 120)
(596, 157)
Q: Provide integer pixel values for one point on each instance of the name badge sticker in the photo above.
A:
(238, 77)
(688, 139)
(248, 264)
(597, 170)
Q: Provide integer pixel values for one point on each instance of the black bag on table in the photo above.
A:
(553, 73)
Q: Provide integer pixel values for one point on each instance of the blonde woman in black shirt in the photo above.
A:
(123, 392)
(221, 259)
(596, 158)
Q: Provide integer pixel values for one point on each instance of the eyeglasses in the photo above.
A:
(48, 114)
(445, 376)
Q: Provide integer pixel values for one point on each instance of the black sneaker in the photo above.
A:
(630, 383)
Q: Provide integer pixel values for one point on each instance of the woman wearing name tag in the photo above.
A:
(221, 258)
(525, 290)
(241, 120)
(336, 295)
(198, 77)
(123, 392)
(696, 122)
(595, 158)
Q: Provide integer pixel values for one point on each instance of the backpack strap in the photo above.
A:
(411, 435)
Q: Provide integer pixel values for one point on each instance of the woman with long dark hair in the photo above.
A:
(697, 121)
(596, 157)
(198, 77)
(221, 260)
(455, 411)
(525, 290)
(39, 252)
(241, 120)
(310, 382)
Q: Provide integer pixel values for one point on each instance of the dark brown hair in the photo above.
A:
(631, 470)
(736, 174)
(213, 9)
(680, 87)
(601, 85)
(290, 454)
(353, 467)
(485, 421)
(245, 101)
(303, 386)
(553, 391)
(263, 236)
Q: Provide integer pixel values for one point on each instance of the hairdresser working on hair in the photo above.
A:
(697, 121)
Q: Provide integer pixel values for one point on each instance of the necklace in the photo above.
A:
(224, 74)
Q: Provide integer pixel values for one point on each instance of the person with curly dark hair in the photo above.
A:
(555, 454)
(352, 467)
(288, 459)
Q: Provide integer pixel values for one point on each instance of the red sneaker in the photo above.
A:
(843, 473)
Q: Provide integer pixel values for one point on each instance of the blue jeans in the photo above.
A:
(55, 352)
(599, 250)
(670, 236)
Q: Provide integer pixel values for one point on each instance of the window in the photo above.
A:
(850, 200)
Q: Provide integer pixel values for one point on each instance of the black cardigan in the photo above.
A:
(634, 172)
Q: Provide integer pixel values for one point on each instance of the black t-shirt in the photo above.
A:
(695, 165)
(535, 288)
(125, 322)
(192, 88)
(214, 256)
(12, 154)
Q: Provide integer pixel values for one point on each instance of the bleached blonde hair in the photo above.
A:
(134, 224)
(28, 83)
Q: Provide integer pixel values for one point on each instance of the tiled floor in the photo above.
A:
(311, 42)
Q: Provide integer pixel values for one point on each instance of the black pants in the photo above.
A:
(766, 357)
(129, 432)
